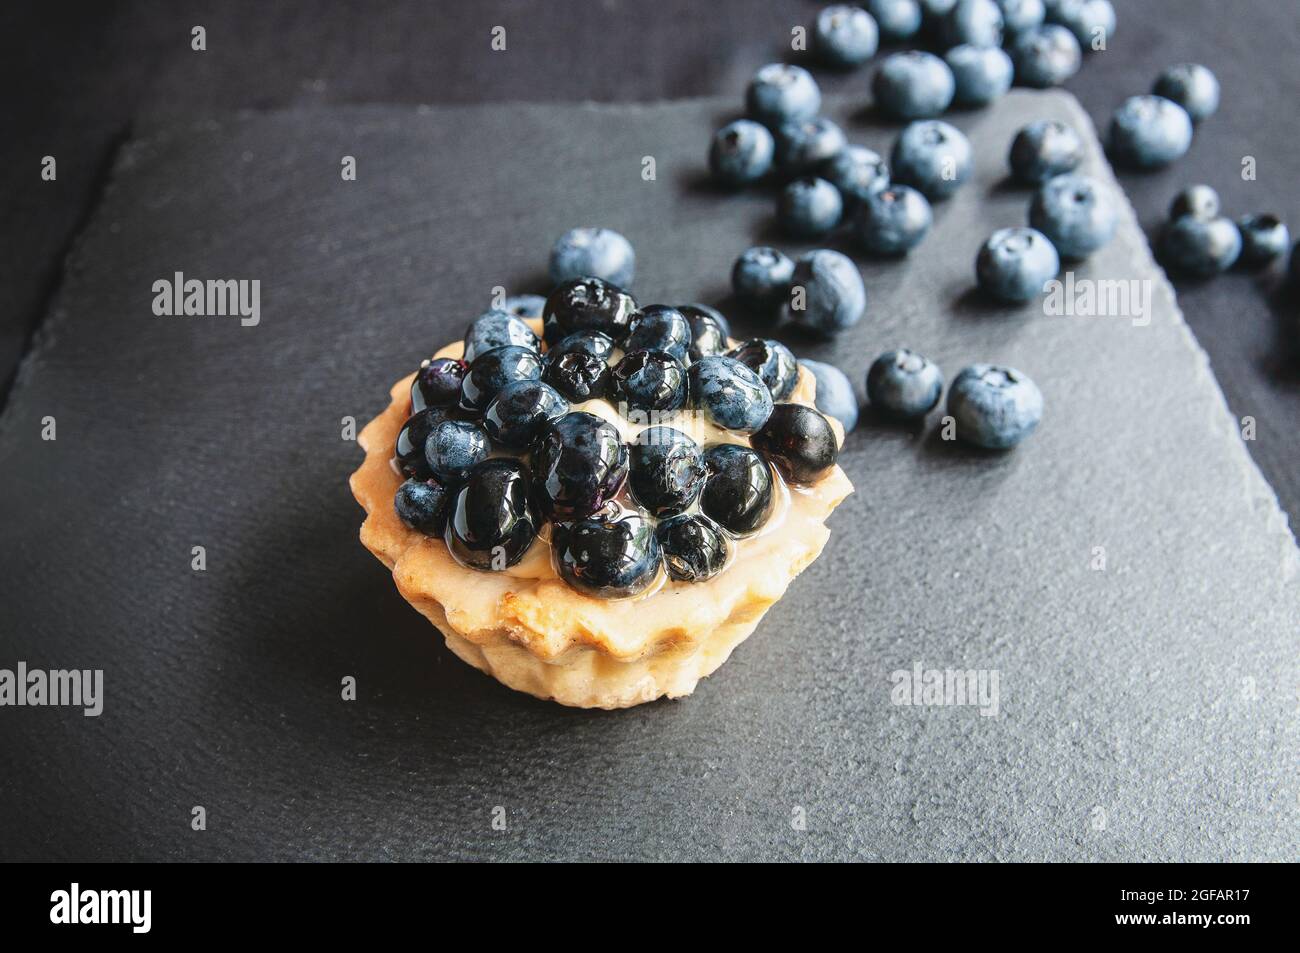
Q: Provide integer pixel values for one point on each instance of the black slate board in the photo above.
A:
(1156, 696)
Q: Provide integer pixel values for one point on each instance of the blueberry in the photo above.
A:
(857, 172)
(648, 380)
(1044, 149)
(1264, 238)
(1191, 86)
(845, 35)
(833, 296)
(780, 93)
(588, 304)
(800, 443)
(804, 145)
(1200, 247)
(667, 471)
(709, 330)
(809, 208)
(437, 384)
(893, 221)
(761, 277)
(521, 412)
(495, 329)
(1021, 15)
(973, 23)
(593, 253)
(896, 19)
(454, 447)
(608, 558)
(1149, 131)
(527, 307)
(729, 394)
(741, 152)
(1091, 21)
(1198, 201)
(913, 85)
(772, 362)
(422, 505)
(492, 520)
(1046, 56)
(904, 385)
(579, 465)
(660, 327)
(1015, 263)
(494, 370)
(835, 396)
(592, 343)
(695, 548)
(738, 492)
(981, 74)
(1294, 267)
(994, 407)
(409, 448)
(932, 156)
(1075, 214)
(578, 376)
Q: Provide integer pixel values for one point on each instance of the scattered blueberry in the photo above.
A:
(1198, 201)
(741, 152)
(803, 145)
(437, 384)
(709, 330)
(913, 85)
(738, 492)
(835, 395)
(772, 362)
(455, 446)
(896, 19)
(857, 172)
(1191, 86)
(1264, 238)
(524, 306)
(1200, 247)
(781, 93)
(579, 465)
(845, 35)
(994, 407)
(729, 394)
(666, 471)
(409, 448)
(981, 74)
(694, 547)
(833, 296)
(649, 381)
(761, 277)
(1046, 56)
(800, 443)
(904, 385)
(1149, 131)
(595, 253)
(588, 304)
(660, 327)
(607, 557)
(1295, 265)
(809, 208)
(496, 329)
(494, 370)
(1044, 149)
(1021, 15)
(1015, 263)
(521, 411)
(932, 156)
(578, 376)
(893, 221)
(1075, 214)
(973, 23)
(1091, 21)
(492, 520)
(422, 505)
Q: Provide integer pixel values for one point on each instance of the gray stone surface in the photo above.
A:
(1157, 694)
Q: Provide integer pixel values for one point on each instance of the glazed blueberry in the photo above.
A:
(799, 441)
(1021, 15)
(494, 370)
(809, 208)
(913, 85)
(772, 361)
(932, 157)
(1015, 263)
(729, 394)
(492, 520)
(834, 297)
(781, 93)
(1044, 149)
(521, 412)
(804, 145)
(496, 329)
(738, 492)
(1075, 214)
(649, 380)
(454, 447)
(592, 343)
(981, 74)
(741, 152)
(409, 449)
(709, 330)
(893, 221)
(694, 547)
(593, 253)
(761, 277)
(994, 407)
(845, 36)
(904, 385)
(608, 558)
(579, 465)
(1149, 131)
(835, 396)
(578, 376)
(666, 472)
(1046, 56)
(1200, 247)
(857, 172)
(973, 23)
(422, 505)
(660, 327)
(1191, 86)
(526, 307)
(1198, 201)
(1091, 21)
(896, 19)
(588, 304)
(1264, 238)
(437, 384)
